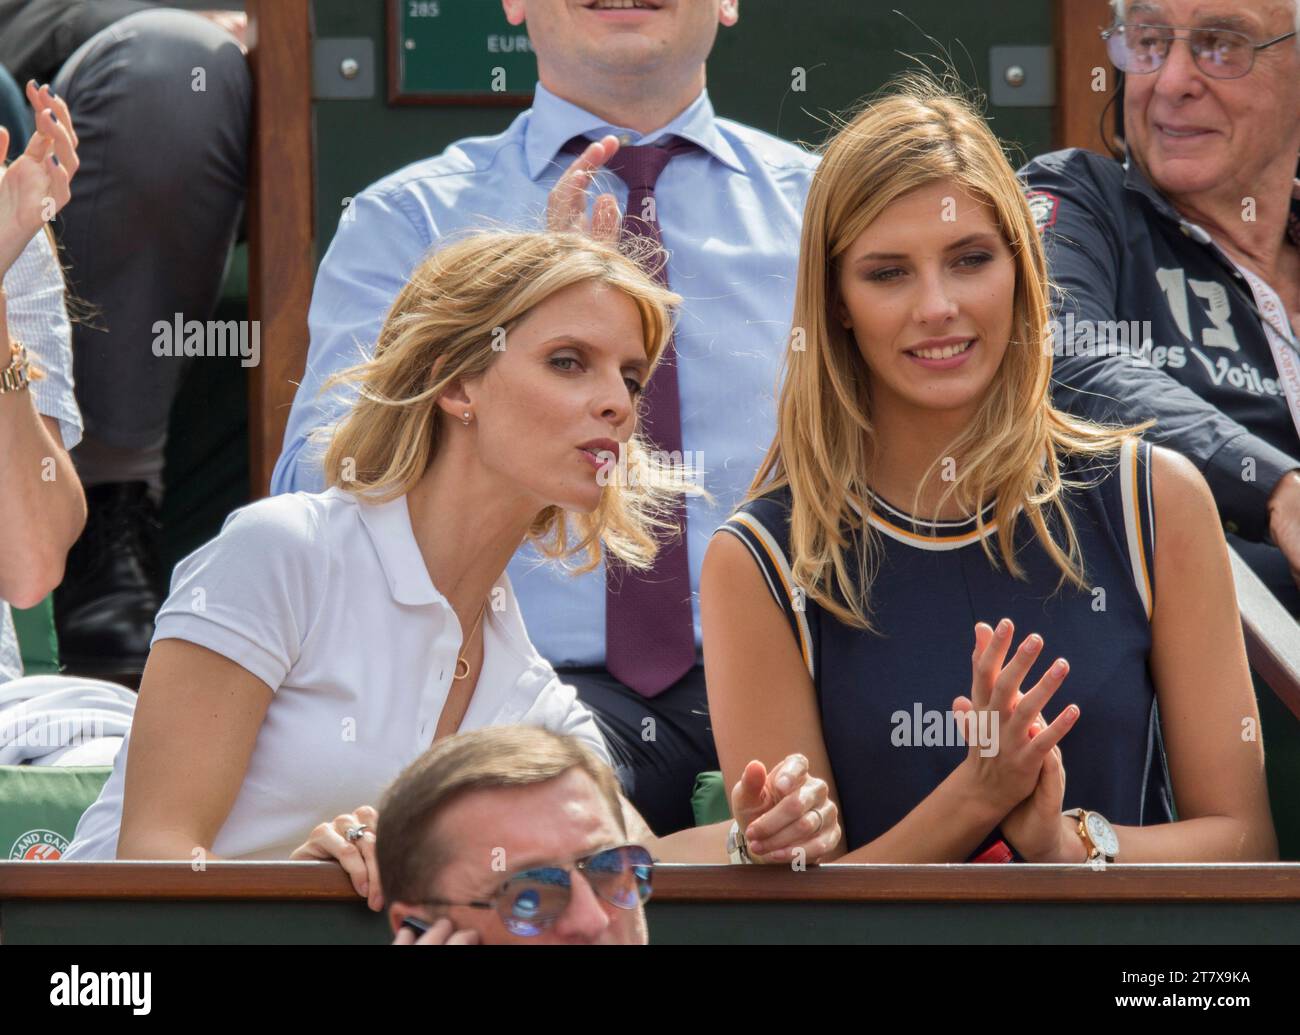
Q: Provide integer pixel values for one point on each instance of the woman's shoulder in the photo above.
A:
(770, 510)
(276, 535)
(1121, 470)
(292, 517)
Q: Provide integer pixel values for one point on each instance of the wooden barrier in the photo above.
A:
(1080, 51)
(274, 902)
(281, 200)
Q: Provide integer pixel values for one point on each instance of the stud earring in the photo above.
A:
(465, 419)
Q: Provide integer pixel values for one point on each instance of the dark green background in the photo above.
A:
(227, 922)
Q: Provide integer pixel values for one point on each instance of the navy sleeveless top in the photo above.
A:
(885, 695)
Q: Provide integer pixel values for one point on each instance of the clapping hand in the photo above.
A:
(1035, 827)
(37, 184)
(784, 811)
(1009, 774)
(566, 205)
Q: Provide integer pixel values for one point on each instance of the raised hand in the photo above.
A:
(1284, 516)
(566, 205)
(36, 186)
(785, 810)
(1010, 773)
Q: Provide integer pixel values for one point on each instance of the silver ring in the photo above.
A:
(820, 820)
(354, 833)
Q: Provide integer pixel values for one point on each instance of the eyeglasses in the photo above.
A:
(532, 900)
(1219, 53)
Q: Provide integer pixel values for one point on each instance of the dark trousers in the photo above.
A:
(161, 101)
(659, 744)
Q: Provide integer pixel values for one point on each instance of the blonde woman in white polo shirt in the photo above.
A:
(318, 645)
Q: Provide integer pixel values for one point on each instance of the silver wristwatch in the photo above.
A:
(737, 850)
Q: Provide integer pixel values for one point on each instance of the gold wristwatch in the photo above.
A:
(1098, 836)
(17, 375)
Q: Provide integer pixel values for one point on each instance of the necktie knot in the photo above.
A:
(639, 166)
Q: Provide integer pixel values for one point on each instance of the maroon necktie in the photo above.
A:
(649, 628)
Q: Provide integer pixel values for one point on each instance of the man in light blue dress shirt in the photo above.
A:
(730, 218)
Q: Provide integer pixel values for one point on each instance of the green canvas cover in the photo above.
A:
(36, 638)
(40, 806)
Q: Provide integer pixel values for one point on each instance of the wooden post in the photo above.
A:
(1079, 52)
(281, 207)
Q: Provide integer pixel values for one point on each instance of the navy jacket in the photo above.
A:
(1125, 263)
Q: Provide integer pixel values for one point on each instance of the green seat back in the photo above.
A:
(40, 806)
(36, 638)
(709, 799)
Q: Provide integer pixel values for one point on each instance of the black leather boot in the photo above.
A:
(104, 610)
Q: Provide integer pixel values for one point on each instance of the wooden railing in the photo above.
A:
(1221, 882)
(1272, 635)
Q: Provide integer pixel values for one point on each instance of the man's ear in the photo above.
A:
(399, 911)
(514, 10)
(729, 12)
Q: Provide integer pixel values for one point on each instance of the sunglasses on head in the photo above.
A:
(532, 900)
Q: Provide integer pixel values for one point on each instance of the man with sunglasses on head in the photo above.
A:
(1178, 271)
(511, 835)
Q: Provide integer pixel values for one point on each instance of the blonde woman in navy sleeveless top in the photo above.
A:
(921, 491)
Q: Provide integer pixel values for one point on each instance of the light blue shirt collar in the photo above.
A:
(553, 121)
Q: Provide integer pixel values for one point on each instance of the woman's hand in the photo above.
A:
(1008, 774)
(34, 187)
(1036, 828)
(330, 841)
(234, 22)
(566, 205)
(785, 810)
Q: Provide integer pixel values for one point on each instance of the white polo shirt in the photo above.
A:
(328, 601)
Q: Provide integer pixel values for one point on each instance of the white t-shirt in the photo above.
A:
(328, 601)
(33, 287)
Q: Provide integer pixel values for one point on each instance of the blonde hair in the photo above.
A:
(826, 443)
(460, 302)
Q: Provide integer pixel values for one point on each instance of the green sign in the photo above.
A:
(456, 52)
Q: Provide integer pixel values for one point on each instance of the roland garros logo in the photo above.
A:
(38, 846)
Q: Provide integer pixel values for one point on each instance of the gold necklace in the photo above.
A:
(460, 658)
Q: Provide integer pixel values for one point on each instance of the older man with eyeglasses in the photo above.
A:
(1178, 271)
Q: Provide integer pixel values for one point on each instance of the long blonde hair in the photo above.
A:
(445, 326)
(825, 446)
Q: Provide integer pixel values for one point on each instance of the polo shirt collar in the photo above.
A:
(389, 527)
(1136, 180)
(553, 121)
